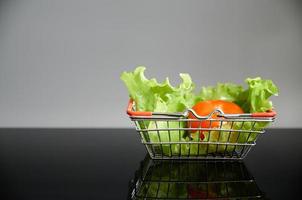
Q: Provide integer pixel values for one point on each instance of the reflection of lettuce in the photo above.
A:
(149, 95)
(193, 179)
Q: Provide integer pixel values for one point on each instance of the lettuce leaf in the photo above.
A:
(222, 91)
(148, 92)
(256, 97)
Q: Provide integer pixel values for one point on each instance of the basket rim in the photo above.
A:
(269, 114)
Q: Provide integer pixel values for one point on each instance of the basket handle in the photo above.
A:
(270, 113)
(130, 112)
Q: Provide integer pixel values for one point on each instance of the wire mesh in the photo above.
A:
(176, 138)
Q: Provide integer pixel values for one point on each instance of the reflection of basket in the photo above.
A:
(174, 179)
(170, 135)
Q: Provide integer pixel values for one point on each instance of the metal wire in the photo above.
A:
(174, 137)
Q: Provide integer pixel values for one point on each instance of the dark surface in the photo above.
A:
(99, 163)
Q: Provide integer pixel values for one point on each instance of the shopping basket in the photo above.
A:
(170, 135)
(193, 179)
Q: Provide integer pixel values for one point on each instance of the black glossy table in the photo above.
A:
(100, 163)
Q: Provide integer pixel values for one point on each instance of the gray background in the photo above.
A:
(60, 61)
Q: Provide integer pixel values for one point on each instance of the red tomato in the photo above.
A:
(204, 108)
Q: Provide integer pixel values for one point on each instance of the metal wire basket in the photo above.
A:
(172, 136)
(193, 179)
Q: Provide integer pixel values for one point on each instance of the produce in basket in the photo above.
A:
(149, 95)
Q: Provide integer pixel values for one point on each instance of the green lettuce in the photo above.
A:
(222, 91)
(256, 97)
(149, 95)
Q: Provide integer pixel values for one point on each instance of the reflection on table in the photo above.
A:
(175, 179)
